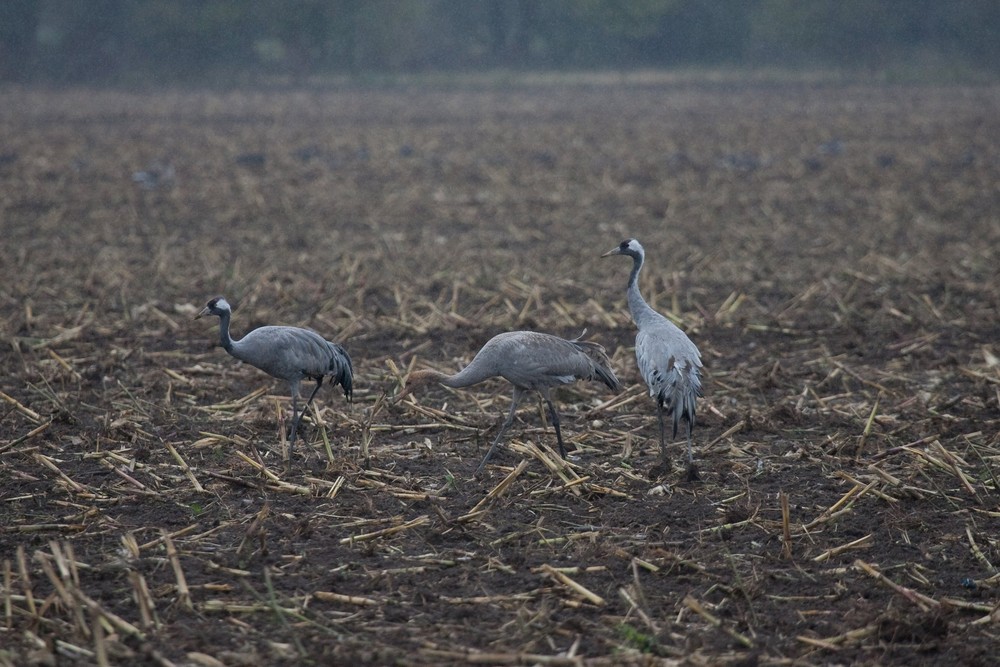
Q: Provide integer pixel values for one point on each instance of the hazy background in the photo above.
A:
(145, 42)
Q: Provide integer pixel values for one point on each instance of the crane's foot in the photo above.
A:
(692, 473)
(482, 464)
(299, 429)
(480, 471)
(661, 469)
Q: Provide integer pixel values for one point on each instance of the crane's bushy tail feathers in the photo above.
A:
(679, 400)
(602, 364)
(608, 378)
(347, 382)
(342, 370)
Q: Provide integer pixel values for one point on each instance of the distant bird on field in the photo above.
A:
(530, 361)
(668, 361)
(287, 353)
(157, 175)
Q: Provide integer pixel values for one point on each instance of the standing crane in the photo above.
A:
(668, 361)
(530, 361)
(287, 353)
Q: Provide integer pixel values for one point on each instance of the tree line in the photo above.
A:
(135, 41)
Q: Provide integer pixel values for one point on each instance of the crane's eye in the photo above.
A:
(624, 245)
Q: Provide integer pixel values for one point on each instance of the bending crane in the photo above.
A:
(530, 361)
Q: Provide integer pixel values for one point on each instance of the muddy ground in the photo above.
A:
(832, 248)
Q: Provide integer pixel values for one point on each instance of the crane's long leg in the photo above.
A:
(555, 423)
(692, 472)
(295, 423)
(663, 434)
(518, 394)
(297, 416)
(690, 452)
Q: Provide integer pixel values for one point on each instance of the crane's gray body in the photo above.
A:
(293, 354)
(668, 361)
(287, 353)
(531, 361)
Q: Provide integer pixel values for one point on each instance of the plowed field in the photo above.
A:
(834, 251)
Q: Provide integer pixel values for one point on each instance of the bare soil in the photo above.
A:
(833, 249)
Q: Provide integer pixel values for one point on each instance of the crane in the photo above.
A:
(287, 353)
(668, 361)
(529, 360)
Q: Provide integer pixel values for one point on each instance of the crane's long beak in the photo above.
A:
(413, 381)
(203, 313)
(401, 394)
(613, 251)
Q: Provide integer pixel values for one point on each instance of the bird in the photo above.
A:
(531, 361)
(668, 361)
(287, 353)
(155, 176)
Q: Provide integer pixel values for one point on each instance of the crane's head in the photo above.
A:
(217, 306)
(629, 247)
(417, 379)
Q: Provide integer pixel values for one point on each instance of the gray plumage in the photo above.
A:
(530, 361)
(668, 361)
(287, 353)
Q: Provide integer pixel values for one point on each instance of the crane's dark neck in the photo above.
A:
(636, 304)
(633, 278)
(225, 340)
(472, 374)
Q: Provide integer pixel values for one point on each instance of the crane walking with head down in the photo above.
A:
(668, 361)
(530, 361)
(287, 353)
